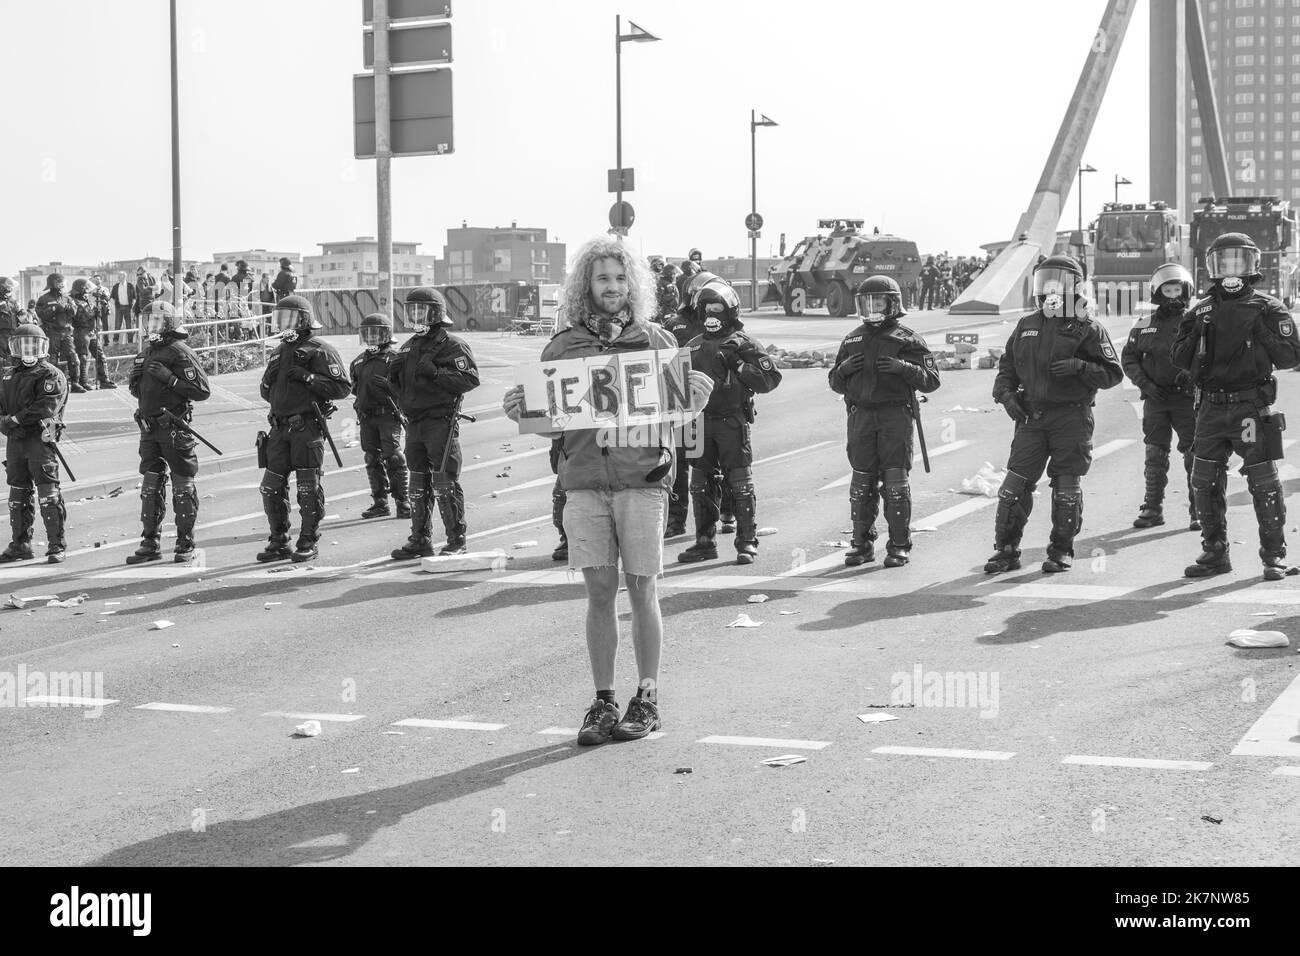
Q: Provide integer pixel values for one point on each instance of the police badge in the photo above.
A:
(462, 363)
(1285, 327)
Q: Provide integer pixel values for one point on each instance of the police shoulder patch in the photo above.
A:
(336, 369)
(1107, 349)
(765, 364)
(191, 373)
(51, 385)
(929, 362)
(462, 363)
(1286, 327)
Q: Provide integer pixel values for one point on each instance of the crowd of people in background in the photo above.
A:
(942, 279)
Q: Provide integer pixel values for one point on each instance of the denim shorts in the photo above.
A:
(603, 527)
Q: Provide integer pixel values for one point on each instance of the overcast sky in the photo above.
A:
(931, 120)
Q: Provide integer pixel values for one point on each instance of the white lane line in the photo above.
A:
(1287, 772)
(446, 724)
(775, 742)
(1111, 447)
(57, 699)
(934, 453)
(573, 732)
(945, 752)
(537, 483)
(184, 708)
(1275, 733)
(1146, 763)
(791, 453)
(336, 718)
(1255, 595)
(1068, 592)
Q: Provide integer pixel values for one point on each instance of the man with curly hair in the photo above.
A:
(615, 488)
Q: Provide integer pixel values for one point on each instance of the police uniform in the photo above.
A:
(381, 424)
(684, 326)
(85, 325)
(298, 373)
(740, 369)
(880, 427)
(12, 315)
(430, 374)
(57, 312)
(167, 376)
(34, 396)
(1147, 364)
(1058, 430)
(1230, 344)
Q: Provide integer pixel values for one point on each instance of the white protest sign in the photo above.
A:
(612, 390)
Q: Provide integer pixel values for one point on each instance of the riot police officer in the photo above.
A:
(1166, 390)
(1230, 342)
(33, 394)
(1056, 360)
(379, 417)
(685, 324)
(166, 378)
(739, 368)
(878, 369)
(12, 315)
(301, 373)
(430, 374)
(89, 308)
(56, 311)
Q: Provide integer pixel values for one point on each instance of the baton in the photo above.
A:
(452, 430)
(184, 426)
(62, 461)
(920, 432)
(320, 420)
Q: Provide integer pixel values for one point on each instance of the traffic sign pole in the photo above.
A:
(383, 159)
(753, 211)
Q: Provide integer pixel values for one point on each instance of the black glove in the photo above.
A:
(890, 364)
(8, 424)
(161, 372)
(1154, 392)
(430, 368)
(383, 384)
(852, 365)
(1070, 366)
(298, 374)
(1015, 409)
(1183, 379)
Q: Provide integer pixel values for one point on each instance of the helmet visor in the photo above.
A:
(1052, 281)
(286, 319)
(372, 335)
(873, 305)
(29, 348)
(419, 313)
(1239, 261)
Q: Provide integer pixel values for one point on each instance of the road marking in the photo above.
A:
(775, 742)
(537, 483)
(1287, 772)
(934, 453)
(337, 718)
(791, 453)
(1068, 592)
(184, 708)
(1111, 447)
(1275, 733)
(447, 724)
(573, 732)
(68, 701)
(1257, 594)
(945, 752)
(1143, 762)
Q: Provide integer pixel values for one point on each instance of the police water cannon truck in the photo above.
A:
(1270, 221)
(1131, 241)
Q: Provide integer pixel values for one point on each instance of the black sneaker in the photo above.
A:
(598, 724)
(561, 552)
(639, 720)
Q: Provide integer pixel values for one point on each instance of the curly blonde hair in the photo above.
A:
(641, 298)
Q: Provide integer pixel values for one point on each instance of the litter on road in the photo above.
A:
(745, 621)
(159, 625)
(784, 761)
(684, 770)
(352, 770)
(520, 545)
(756, 598)
(1244, 637)
(875, 718)
(984, 483)
(310, 728)
(764, 532)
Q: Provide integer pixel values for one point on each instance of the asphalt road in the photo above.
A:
(1090, 718)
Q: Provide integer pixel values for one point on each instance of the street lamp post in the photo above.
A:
(1121, 181)
(1082, 169)
(754, 124)
(178, 288)
(638, 35)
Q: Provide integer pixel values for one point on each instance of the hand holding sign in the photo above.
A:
(701, 388)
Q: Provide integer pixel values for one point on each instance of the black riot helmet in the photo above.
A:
(1165, 274)
(717, 307)
(1233, 261)
(426, 309)
(29, 344)
(696, 256)
(376, 331)
(294, 319)
(161, 321)
(79, 288)
(878, 299)
(1058, 285)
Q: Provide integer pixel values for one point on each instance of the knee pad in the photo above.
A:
(184, 484)
(741, 481)
(1207, 475)
(48, 493)
(419, 483)
(307, 478)
(895, 477)
(699, 481)
(1157, 454)
(441, 483)
(862, 485)
(1262, 476)
(371, 459)
(395, 461)
(274, 485)
(1066, 488)
(152, 483)
(1013, 486)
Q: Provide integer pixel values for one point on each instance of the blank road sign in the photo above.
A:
(408, 10)
(420, 113)
(417, 45)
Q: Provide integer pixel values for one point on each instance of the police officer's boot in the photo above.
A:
(1015, 502)
(378, 487)
(898, 515)
(81, 377)
(275, 502)
(745, 501)
(102, 372)
(153, 509)
(399, 482)
(311, 509)
(1194, 523)
(558, 500)
(420, 543)
(1156, 474)
(185, 505)
(727, 506)
(53, 514)
(864, 505)
(705, 547)
(22, 515)
(451, 508)
(1208, 481)
(1270, 511)
(1067, 519)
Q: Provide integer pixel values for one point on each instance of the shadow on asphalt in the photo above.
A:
(272, 839)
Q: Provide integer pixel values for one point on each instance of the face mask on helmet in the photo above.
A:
(155, 325)
(375, 336)
(29, 348)
(1233, 262)
(419, 316)
(873, 307)
(287, 323)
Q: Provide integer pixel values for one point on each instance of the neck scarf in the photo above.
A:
(607, 327)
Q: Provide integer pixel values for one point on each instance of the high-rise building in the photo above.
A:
(1254, 52)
